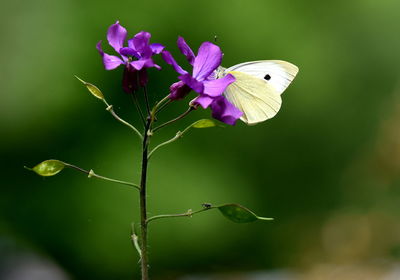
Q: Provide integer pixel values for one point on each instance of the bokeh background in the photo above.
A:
(326, 167)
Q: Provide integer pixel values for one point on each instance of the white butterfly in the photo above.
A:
(258, 87)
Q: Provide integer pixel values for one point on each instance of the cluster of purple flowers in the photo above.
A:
(137, 57)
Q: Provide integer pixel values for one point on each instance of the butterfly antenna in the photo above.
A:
(215, 38)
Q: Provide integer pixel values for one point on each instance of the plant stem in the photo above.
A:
(143, 201)
(136, 102)
(146, 99)
(189, 213)
(163, 106)
(176, 137)
(190, 109)
(112, 112)
(157, 107)
(92, 174)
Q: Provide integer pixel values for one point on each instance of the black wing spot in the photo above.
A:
(267, 77)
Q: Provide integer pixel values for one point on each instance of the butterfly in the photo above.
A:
(258, 87)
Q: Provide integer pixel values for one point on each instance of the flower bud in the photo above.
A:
(178, 90)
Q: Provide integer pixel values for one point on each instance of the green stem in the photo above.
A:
(136, 102)
(163, 106)
(92, 174)
(176, 137)
(157, 108)
(146, 99)
(190, 109)
(189, 213)
(112, 112)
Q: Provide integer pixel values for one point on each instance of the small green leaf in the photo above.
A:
(204, 123)
(92, 89)
(49, 167)
(239, 214)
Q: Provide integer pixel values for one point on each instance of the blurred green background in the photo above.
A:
(326, 167)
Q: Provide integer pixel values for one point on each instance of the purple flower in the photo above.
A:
(225, 111)
(178, 90)
(202, 80)
(139, 48)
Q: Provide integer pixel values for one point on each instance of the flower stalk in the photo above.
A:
(189, 213)
(143, 199)
(173, 139)
(112, 112)
(146, 98)
(190, 109)
(137, 105)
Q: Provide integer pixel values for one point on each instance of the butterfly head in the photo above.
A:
(220, 72)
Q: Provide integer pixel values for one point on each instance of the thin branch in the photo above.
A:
(163, 106)
(189, 213)
(92, 174)
(176, 137)
(190, 109)
(111, 110)
(146, 100)
(156, 108)
(136, 102)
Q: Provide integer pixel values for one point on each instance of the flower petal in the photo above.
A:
(110, 61)
(225, 111)
(129, 52)
(149, 63)
(192, 83)
(141, 41)
(178, 90)
(116, 36)
(203, 100)
(186, 50)
(130, 43)
(216, 87)
(166, 55)
(138, 64)
(207, 60)
(147, 52)
(156, 48)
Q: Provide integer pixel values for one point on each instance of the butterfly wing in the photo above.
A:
(258, 86)
(257, 99)
(279, 74)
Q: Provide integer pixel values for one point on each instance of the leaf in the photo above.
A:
(204, 123)
(92, 89)
(49, 167)
(239, 214)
